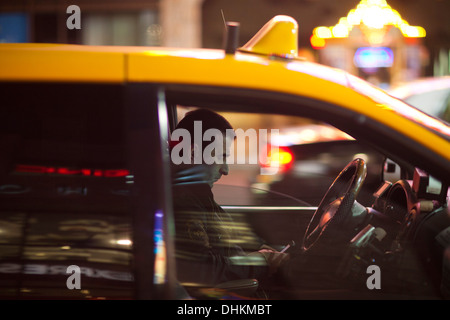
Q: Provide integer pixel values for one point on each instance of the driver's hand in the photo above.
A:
(265, 246)
(274, 259)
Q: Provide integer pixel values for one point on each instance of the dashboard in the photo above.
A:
(414, 217)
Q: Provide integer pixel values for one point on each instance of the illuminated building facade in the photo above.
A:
(374, 42)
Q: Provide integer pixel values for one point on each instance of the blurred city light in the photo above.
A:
(371, 16)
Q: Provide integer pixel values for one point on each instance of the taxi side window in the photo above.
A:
(60, 123)
(64, 191)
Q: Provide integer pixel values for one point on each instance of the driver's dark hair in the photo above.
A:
(209, 119)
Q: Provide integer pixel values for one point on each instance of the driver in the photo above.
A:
(206, 236)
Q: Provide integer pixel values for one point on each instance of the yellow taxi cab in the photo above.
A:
(86, 195)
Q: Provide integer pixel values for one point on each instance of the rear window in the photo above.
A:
(74, 125)
(64, 186)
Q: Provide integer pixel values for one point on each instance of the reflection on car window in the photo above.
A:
(269, 201)
(64, 187)
(227, 195)
(316, 151)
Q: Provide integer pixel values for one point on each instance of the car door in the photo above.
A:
(82, 196)
(64, 189)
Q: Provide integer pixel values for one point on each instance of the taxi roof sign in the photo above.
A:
(278, 37)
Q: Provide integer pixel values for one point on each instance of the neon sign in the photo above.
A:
(369, 57)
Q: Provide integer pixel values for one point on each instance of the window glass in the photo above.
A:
(278, 170)
(64, 187)
(312, 154)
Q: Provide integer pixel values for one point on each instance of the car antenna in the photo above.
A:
(223, 18)
(231, 37)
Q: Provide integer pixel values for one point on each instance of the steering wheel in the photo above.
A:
(336, 206)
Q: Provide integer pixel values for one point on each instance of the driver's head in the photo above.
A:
(211, 136)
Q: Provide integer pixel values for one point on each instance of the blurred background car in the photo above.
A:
(431, 95)
(309, 158)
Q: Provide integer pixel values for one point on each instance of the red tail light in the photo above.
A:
(107, 173)
(278, 157)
